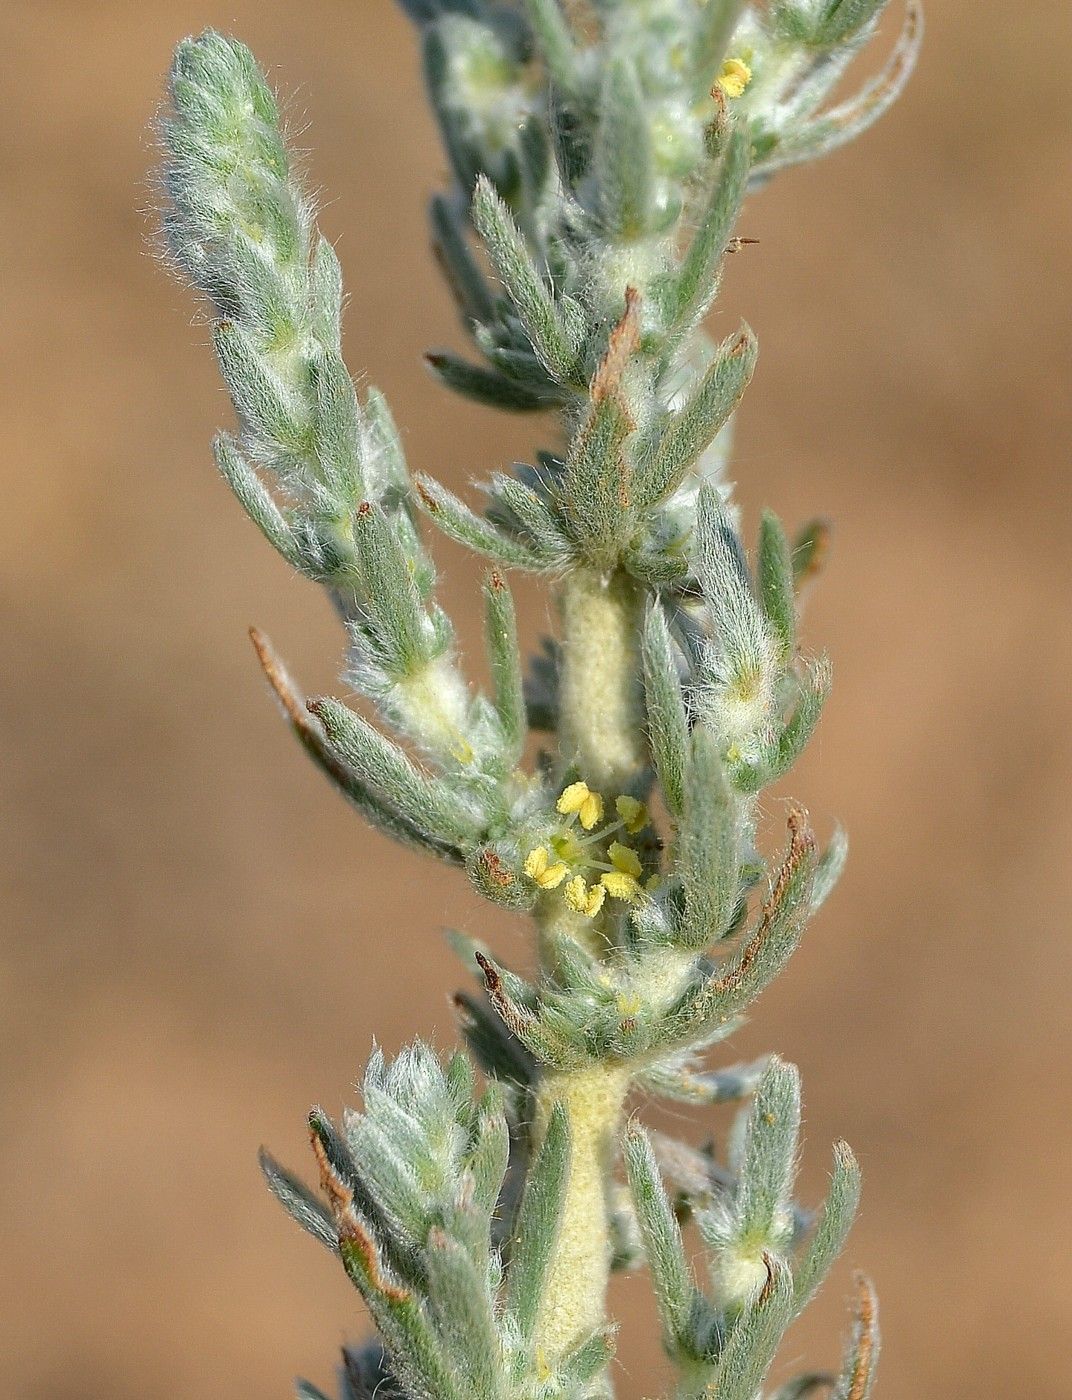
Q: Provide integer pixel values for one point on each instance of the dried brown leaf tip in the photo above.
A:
(516, 1018)
(865, 1341)
(275, 672)
(801, 849)
(340, 1195)
(622, 345)
(427, 499)
(358, 1248)
(495, 870)
(355, 1242)
(768, 1286)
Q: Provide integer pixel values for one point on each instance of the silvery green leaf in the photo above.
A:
(385, 471)
(457, 521)
(774, 569)
(742, 652)
(301, 1204)
(697, 280)
(675, 443)
(594, 492)
(828, 1237)
(432, 803)
(831, 864)
(325, 287)
(273, 415)
(370, 803)
(670, 1273)
(841, 124)
(763, 1201)
(801, 724)
(552, 336)
(536, 1227)
(717, 997)
(709, 840)
(529, 515)
(391, 616)
(255, 499)
(488, 387)
(556, 42)
(668, 730)
(462, 1313)
(504, 656)
(623, 159)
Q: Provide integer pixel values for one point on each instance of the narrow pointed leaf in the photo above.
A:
(255, 499)
(858, 1375)
(300, 1203)
(457, 521)
(532, 297)
(624, 161)
(370, 803)
(670, 1273)
(536, 1228)
(681, 439)
(488, 387)
(430, 802)
(775, 571)
(828, 1238)
(504, 656)
(708, 861)
(698, 280)
(763, 1201)
(668, 731)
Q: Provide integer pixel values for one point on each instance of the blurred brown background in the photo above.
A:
(200, 940)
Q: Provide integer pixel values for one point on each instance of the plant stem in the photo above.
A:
(601, 706)
(574, 1299)
(602, 734)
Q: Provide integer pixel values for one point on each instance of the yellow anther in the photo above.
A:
(633, 813)
(580, 799)
(620, 886)
(585, 900)
(543, 1370)
(624, 859)
(548, 874)
(734, 77)
(629, 1003)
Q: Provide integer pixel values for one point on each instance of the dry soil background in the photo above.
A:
(199, 940)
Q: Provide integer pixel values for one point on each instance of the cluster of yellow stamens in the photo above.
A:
(569, 859)
(734, 77)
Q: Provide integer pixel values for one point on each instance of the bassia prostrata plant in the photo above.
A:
(599, 154)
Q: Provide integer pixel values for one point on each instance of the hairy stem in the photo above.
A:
(574, 1300)
(602, 734)
(602, 721)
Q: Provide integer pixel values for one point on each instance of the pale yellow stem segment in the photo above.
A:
(574, 1300)
(601, 703)
(601, 734)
